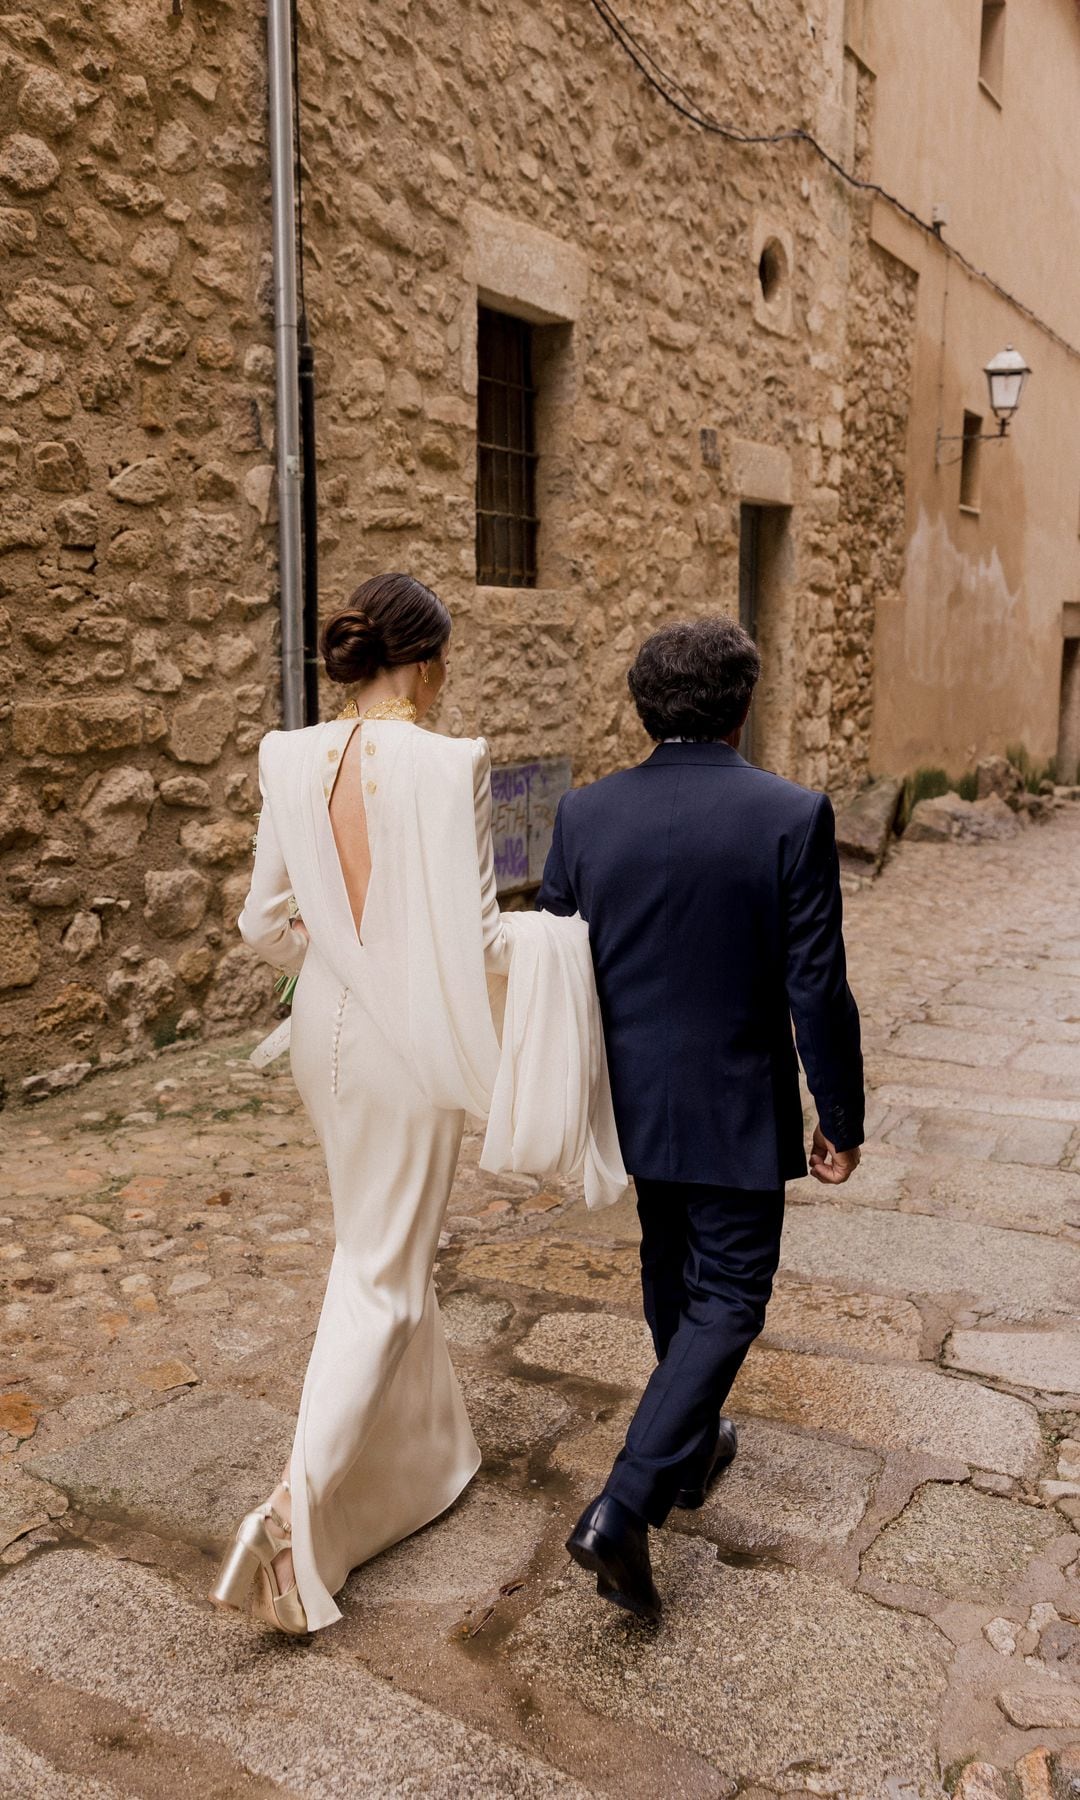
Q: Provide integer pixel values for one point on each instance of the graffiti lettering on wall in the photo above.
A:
(524, 797)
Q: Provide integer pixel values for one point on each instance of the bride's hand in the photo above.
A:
(301, 929)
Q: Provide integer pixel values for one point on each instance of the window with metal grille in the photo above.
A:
(506, 521)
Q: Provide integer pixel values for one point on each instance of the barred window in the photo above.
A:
(506, 519)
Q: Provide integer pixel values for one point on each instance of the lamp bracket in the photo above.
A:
(967, 437)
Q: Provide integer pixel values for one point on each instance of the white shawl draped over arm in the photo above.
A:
(551, 1109)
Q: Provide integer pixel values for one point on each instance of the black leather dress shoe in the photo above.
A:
(727, 1442)
(613, 1544)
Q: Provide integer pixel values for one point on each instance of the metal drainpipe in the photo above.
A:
(283, 208)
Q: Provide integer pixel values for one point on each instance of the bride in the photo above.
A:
(381, 835)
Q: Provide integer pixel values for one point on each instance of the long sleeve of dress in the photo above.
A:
(496, 946)
(264, 922)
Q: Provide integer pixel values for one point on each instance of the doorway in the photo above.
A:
(1068, 750)
(765, 591)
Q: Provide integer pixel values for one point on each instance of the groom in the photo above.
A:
(712, 894)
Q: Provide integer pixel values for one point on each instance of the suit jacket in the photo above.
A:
(712, 894)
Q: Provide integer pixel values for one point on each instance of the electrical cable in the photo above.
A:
(662, 81)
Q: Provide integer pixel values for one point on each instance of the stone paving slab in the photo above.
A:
(768, 1673)
(484, 1541)
(960, 1543)
(1045, 1360)
(1030, 1025)
(473, 1321)
(320, 1727)
(1040, 1200)
(593, 1346)
(1051, 1708)
(1000, 992)
(611, 1225)
(1062, 1060)
(983, 1097)
(942, 1043)
(892, 1407)
(509, 1416)
(24, 1774)
(954, 1084)
(591, 1272)
(1036, 1143)
(815, 1316)
(786, 1495)
(188, 1469)
(912, 1253)
(942, 1133)
(26, 1503)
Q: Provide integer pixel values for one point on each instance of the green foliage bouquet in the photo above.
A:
(285, 988)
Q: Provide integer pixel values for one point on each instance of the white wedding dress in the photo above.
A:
(393, 1044)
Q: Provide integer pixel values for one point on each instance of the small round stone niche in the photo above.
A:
(773, 272)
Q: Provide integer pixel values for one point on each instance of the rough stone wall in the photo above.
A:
(137, 554)
(881, 301)
(136, 568)
(869, 567)
(412, 111)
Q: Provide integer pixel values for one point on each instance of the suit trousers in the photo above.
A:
(708, 1257)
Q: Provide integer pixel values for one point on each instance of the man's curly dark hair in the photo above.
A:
(695, 679)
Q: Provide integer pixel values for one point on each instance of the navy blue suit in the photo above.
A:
(712, 894)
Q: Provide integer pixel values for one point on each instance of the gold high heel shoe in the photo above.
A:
(249, 1564)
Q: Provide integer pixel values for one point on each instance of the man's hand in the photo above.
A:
(830, 1165)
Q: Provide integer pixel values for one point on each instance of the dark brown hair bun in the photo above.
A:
(353, 647)
(388, 621)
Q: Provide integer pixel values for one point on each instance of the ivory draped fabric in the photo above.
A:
(393, 1044)
(550, 1110)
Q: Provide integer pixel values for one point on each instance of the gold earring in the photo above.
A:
(424, 676)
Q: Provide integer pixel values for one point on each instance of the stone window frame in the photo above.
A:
(515, 267)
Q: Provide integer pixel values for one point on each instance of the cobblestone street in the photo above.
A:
(885, 1586)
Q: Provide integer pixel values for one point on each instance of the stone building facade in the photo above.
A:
(977, 647)
(721, 353)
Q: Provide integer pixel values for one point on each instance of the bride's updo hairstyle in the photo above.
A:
(389, 621)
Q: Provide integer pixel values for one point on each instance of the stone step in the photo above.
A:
(24, 1772)
(892, 1407)
(958, 1016)
(770, 1673)
(1045, 1361)
(317, 1726)
(1038, 1143)
(1015, 1274)
(902, 1097)
(64, 1744)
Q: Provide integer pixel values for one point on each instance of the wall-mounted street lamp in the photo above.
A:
(1006, 373)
